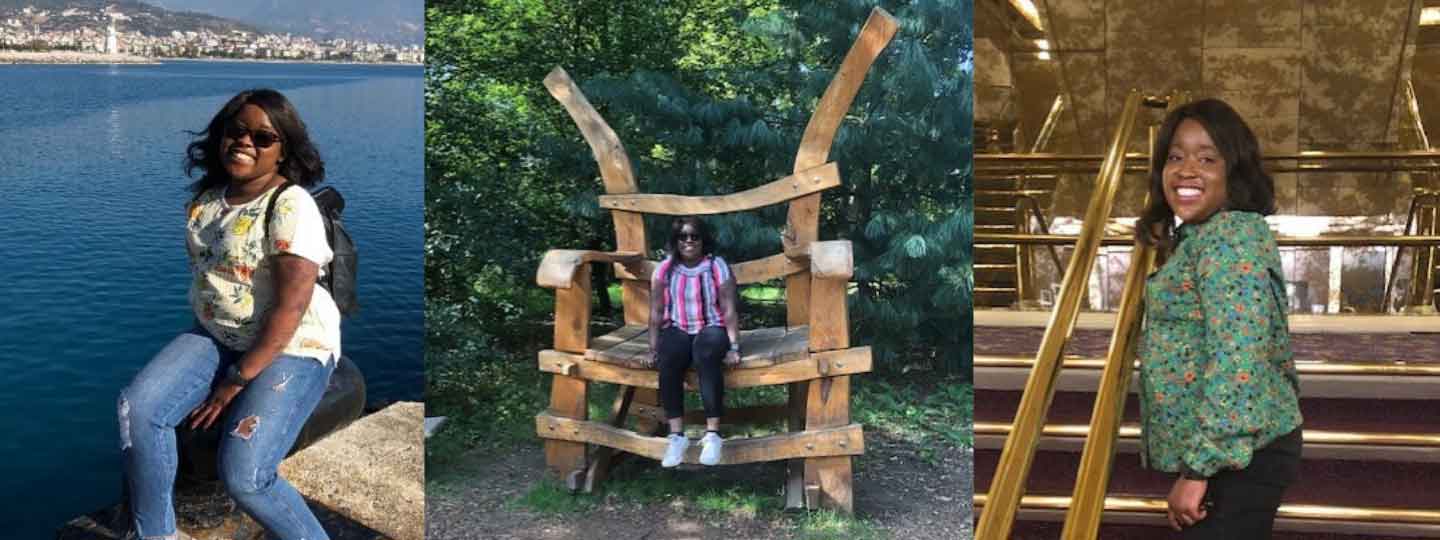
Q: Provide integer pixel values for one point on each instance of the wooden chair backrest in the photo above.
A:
(801, 191)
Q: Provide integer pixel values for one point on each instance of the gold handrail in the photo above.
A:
(1305, 155)
(1308, 161)
(1051, 119)
(1092, 480)
(1024, 275)
(1040, 218)
(1427, 240)
(1008, 484)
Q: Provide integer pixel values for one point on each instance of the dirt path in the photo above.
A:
(902, 490)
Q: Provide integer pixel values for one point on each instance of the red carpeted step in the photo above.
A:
(1360, 415)
(1041, 530)
(1374, 484)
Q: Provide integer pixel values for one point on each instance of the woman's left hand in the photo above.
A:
(208, 412)
(1186, 499)
(732, 358)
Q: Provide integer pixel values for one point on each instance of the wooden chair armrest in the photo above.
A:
(833, 259)
(557, 268)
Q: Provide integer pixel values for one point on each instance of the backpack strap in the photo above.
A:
(270, 208)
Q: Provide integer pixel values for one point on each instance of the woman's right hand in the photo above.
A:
(652, 359)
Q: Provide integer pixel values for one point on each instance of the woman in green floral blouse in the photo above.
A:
(1219, 394)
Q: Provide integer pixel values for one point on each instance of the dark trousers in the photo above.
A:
(1243, 503)
(677, 352)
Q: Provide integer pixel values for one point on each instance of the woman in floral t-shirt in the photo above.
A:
(1219, 396)
(267, 338)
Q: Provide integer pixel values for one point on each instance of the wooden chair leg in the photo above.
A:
(647, 399)
(828, 484)
(827, 480)
(795, 469)
(567, 399)
(603, 458)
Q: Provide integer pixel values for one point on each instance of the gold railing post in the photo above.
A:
(1092, 480)
(1025, 293)
(1422, 270)
(1008, 484)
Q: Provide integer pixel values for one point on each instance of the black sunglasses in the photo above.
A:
(260, 138)
(687, 237)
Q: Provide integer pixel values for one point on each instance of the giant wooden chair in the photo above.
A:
(811, 354)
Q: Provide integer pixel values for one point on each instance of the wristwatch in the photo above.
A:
(233, 376)
(735, 348)
(1189, 474)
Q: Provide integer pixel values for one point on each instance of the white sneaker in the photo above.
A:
(675, 453)
(710, 448)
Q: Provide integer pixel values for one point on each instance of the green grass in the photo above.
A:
(551, 498)
(704, 495)
(827, 525)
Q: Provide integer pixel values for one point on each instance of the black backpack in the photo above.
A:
(340, 274)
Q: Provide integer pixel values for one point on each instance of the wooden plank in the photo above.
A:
(604, 143)
(618, 336)
(647, 399)
(572, 314)
(600, 462)
(828, 405)
(832, 259)
(829, 319)
(839, 362)
(635, 298)
(629, 236)
(812, 180)
(836, 441)
(828, 402)
(825, 120)
(567, 400)
(755, 271)
(802, 218)
(797, 299)
(795, 468)
(833, 476)
(558, 266)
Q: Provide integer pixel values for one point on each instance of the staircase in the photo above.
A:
(997, 210)
(1372, 428)
(1370, 395)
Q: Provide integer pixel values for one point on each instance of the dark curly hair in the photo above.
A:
(1247, 186)
(301, 165)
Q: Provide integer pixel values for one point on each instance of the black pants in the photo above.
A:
(706, 350)
(1243, 503)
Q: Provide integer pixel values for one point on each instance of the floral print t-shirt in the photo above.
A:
(233, 283)
(1217, 376)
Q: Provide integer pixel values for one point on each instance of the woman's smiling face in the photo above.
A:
(251, 147)
(1194, 174)
(689, 242)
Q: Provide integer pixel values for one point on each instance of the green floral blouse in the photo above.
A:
(1216, 372)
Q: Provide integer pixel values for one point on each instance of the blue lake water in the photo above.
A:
(93, 273)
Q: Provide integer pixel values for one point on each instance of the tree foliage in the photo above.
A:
(708, 97)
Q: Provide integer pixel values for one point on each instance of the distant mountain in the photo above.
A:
(144, 18)
(399, 22)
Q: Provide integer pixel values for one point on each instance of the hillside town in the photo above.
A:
(112, 32)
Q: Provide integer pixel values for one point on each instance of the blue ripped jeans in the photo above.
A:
(261, 424)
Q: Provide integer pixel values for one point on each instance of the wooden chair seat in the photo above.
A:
(762, 347)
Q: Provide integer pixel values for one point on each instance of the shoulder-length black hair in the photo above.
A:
(1247, 186)
(707, 239)
(301, 163)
